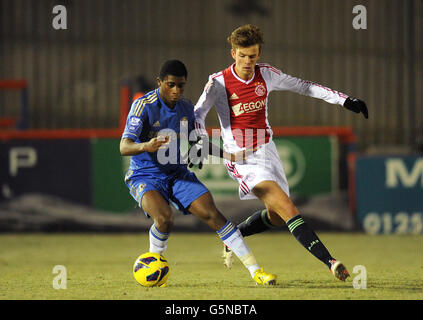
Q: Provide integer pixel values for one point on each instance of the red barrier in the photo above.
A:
(345, 134)
(125, 93)
(7, 122)
(60, 134)
(13, 84)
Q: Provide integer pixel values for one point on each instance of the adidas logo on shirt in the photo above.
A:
(233, 96)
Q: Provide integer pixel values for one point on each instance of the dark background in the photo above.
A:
(74, 75)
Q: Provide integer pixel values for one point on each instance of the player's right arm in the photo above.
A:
(129, 147)
(204, 104)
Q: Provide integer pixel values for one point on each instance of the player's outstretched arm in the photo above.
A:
(198, 152)
(202, 148)
(357, 106)
(129, 147)
(281, 81)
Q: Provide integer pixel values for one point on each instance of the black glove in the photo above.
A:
(198, 152)
(357, 106)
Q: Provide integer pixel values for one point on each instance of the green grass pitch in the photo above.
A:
(99, 266)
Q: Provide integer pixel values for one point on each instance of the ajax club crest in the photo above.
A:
(260, 90)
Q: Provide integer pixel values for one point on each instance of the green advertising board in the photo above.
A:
(310, 164)
(108, 169)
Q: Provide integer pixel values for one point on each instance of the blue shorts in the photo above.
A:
(181, 188)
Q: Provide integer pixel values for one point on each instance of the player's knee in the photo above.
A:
(285, 209)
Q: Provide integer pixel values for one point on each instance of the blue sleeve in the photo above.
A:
(135, 121)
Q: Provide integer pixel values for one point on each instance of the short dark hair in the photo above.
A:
(174, 68)
(246, 36)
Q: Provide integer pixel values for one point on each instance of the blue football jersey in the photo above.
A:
(150, 117)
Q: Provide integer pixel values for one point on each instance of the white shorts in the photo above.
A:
(262, 165)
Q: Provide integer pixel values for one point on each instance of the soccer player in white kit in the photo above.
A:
(240, 96)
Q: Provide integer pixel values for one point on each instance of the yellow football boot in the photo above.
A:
(264, 278)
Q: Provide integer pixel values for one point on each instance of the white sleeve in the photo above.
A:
(281, 81)
(203, 106)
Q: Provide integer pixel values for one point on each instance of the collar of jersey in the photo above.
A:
(161, 101)
(242, 80)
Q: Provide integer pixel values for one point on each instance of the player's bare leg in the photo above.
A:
(158, 209)
(277, 201)
(204, 208)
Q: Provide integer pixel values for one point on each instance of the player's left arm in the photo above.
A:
(281, 81)
(332, 96)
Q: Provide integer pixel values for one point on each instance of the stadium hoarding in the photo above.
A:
(82, 170)
(91, 171)
(52, 167)
(85, 166)
(310, 164)
(389, 193)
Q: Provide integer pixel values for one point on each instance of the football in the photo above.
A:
(151, 269)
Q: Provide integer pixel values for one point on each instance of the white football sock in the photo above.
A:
(232, 237)
(158, 240)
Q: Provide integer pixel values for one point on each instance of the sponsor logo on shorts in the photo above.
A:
(141, 187)
(250, 176)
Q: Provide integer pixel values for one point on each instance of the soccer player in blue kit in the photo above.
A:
(157, 174)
